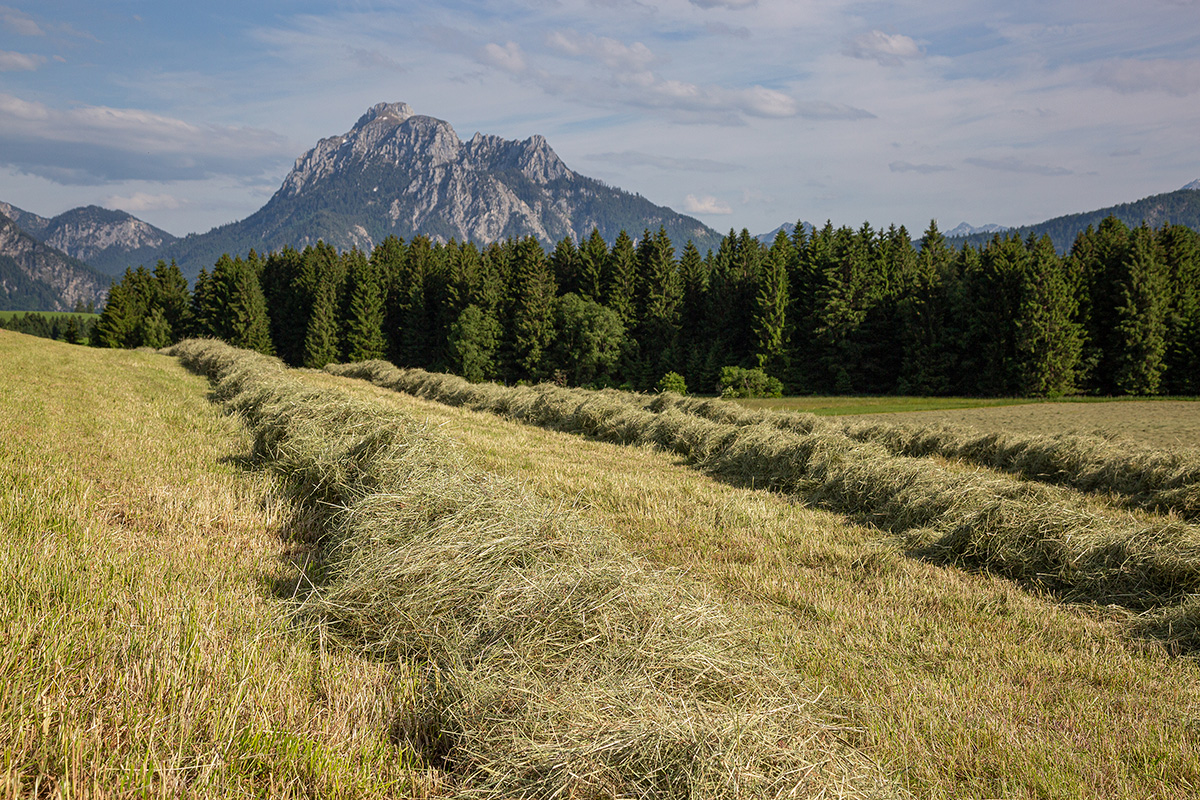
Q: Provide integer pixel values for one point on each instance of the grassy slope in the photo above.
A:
(144, 652)
(962, 684)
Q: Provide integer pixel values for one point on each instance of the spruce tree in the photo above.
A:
(771, 307)
(1141, 330)
(362, 339)
(321, 335)
(593, 256)
(621, 280)
(1049, 341)
(532, 329)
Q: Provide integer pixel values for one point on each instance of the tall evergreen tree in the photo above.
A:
(532, 329)
(621, 280)
(1048, 340)
(1141, 331)
(658, 295)
(771, 307)
(593, 258)
(321, 335)
(362, 338)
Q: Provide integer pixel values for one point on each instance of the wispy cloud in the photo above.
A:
(923, 169)
(706, 204)
(723, 3)
(1014, 164)
(632, 158)
(890, 50)
(615, 55)
(19, 62)
(508, 57)
(19, 22)
(97, 144)
(143, 201)
(1175, 77)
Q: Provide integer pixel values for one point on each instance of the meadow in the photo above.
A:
(341, 589)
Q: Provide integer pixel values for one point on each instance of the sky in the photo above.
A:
(742, 113)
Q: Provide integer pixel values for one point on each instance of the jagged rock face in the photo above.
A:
(42, 271)
(398, 172)
(87, 233)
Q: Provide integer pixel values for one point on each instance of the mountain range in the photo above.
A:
(399, 173)
(1181, 207)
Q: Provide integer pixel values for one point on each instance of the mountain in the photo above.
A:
(398, 172)
(965, 229)
(787, 227)
(107, 240)
(26, 221)
(36, 277)
(1193, 185)
(1181, 207)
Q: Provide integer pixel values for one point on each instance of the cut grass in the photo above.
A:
(555, 664)
(144, 653)
(957, 682)
(1047, 537)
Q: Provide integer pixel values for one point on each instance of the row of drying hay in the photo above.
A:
(1043, 535)
(1156, 479)
(554, 663)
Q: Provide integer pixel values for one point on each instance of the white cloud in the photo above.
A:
(631, 158)
(1014, 164)
(97, 144)
(890, 50)
(509, 57)
(1175, 77)
(142, 201)
(19, 22)
(723, 3)
(705, 205)
(615, 55)
(923, 169)
(15, 62)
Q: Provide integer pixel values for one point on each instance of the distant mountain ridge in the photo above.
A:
(400, 173)
(1181, 207)
(37, 277)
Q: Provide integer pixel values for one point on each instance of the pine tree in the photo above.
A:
(533, 310)
(117, 321)
(1180, 247)
(320, 338)
(695, 331)
(593, 256)
(564, 263)
(658, 296)
(771, 307)
(1048, 340)
(362, 339)
(621, 280)
(244, 322)
(1141, 330)
(173, 299)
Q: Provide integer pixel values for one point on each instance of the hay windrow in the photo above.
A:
(1034, 532)
(556, 664)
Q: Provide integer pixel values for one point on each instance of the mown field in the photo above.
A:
(571, 595)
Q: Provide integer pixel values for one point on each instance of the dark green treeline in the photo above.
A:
(829, 311)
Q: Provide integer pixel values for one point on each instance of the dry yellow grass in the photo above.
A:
(144, 651)
(960, 684)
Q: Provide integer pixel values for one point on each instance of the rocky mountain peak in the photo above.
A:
(1193, 185)
(385, 113)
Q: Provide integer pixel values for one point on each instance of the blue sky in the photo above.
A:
(744, 113)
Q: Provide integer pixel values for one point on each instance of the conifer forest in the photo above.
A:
(826, 311)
